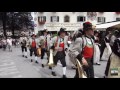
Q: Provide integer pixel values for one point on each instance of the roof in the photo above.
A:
(107, 25)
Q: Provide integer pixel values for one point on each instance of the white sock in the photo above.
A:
(25, 53)
(53, 69)
(41, 60)
(64, 70)
(32, 57)
(35, 58)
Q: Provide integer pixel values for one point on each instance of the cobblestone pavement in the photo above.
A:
(13, 65)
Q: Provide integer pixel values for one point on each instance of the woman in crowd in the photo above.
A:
(107, 49)
(4, 43)
(114, 60)
(96, 48)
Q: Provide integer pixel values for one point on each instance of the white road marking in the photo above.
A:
(7, 64)
(9, 70)
(3, 74)
(1, 69)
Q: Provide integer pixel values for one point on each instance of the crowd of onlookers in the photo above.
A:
(8, 43)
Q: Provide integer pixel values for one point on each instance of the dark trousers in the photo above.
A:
(4, 47)
(107, 67)
(24, 48)
(102, 50)
(60, 56)
(33, 50)
(88, 69)
(42, 52)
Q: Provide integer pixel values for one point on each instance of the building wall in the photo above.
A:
(73, 24)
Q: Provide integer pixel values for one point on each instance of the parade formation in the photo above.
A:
(85, 48)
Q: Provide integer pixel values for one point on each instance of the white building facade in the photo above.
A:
(72, 21)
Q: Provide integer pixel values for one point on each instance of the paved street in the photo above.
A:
(13, 65)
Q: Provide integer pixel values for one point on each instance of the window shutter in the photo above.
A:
(77, 19)
(84, 18)
(51, 19)
(57, 18)
(104, 19)
(45, 18)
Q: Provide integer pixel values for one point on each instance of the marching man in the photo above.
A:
(83, 50)
(23, 42)
(45, 44)
(59, 45)
(33, 45)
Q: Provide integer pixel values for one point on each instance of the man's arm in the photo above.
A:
(77, 48)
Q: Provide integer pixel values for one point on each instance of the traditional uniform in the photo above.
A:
(60, 46)
(83, 48)
(33, 45)
(23, 42)
(45, 45)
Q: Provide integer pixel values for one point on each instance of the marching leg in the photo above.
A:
(36, 60)
(35, 53)
(63, 62)
(42, 53)
(53, 71)
(31, 56)
(42, 56)
(64, 72)
(55, 59)
(22, 51)
(25, 52)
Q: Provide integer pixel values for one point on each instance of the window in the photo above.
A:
(81, 19)
(66, 18)
(54, 18)
(117, 19)
(42, 18)
(101, 19)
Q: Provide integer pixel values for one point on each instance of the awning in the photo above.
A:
(107, 25)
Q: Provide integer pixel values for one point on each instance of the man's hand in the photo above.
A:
(84, 62)
(66, 49)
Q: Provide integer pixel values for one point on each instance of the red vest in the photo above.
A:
(61, 43)
(88, 50)
(33, 44)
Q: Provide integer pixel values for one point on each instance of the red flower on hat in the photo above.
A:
(87, 22)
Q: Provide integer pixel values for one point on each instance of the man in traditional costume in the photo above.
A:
(23, 42)
(59, 45)
(45, 45)
(83, 50)
(33, 44)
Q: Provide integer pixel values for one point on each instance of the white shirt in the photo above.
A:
(4, 42)
(9, 41)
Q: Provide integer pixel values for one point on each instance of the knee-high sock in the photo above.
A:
(64, 70)
(35, 58)
(53, 69)
(32, 57)
(25, 53)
